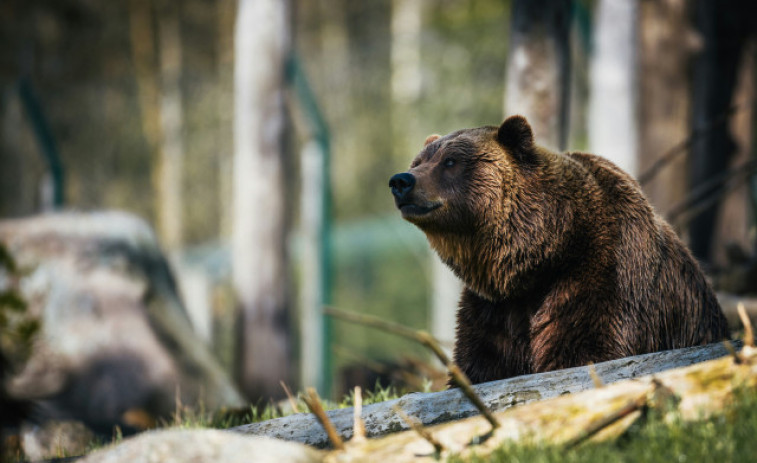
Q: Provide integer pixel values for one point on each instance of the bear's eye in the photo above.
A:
(449, 162)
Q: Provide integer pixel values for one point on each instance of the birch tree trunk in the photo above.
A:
(258, 242)
(538, 68)
(170, 180)
(612, 111)
(226, 11)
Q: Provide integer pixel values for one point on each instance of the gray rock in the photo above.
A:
(204, 446)
(115, 340)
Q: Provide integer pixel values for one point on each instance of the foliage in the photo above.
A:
(17, 327)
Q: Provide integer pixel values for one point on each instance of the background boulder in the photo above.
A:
(115, 345)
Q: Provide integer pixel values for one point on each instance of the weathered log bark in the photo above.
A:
(432, 408)
(693, 392)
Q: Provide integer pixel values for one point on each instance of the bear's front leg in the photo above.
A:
(492, 339)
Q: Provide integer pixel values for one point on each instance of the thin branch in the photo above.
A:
(465, 386)
(358, 427)
(373, 322)
(595, 376)
(705, 191)
(427, 340)
(314, 404)
(416, 426)
(689, 212)
(632, 406)
(680, 148)
(290, 397)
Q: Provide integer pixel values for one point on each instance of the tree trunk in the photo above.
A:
(667, 42)
(725, 27)
(226, 10)
(21, 167)
(612, 111)
(735, 220)
(170, 173)
(259, 272)
(538, 69)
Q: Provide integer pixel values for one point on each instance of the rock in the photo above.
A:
(115, 341)
(204, 446)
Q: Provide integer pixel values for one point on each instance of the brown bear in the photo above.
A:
(563, 259)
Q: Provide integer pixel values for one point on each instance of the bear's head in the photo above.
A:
(456, 184)
(481, 199)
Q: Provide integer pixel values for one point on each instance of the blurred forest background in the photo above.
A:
(150, 106)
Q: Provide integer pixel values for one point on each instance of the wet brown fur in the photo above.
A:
(563, 259)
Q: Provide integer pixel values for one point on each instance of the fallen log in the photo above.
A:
(439, 407)
(691, 393)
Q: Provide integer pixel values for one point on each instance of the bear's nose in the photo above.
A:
(401, 184)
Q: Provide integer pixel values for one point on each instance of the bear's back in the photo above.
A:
(658, 279)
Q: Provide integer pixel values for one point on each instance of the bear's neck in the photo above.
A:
(486, 270)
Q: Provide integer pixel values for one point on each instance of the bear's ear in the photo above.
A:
(516, 136)
(431, 138)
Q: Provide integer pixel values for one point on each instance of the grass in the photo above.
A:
(196, 417)
(728, 437)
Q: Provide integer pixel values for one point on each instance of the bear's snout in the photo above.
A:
(401, 184)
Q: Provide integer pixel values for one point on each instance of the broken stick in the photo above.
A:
(314, 404)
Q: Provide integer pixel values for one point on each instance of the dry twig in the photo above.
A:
(358, 427)
(748, 332)
(632, 406)
(710, 192)
(684, 145)
(416, 426)
(732, 351)
(595, 376)
(290, 397)
(314, 404)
